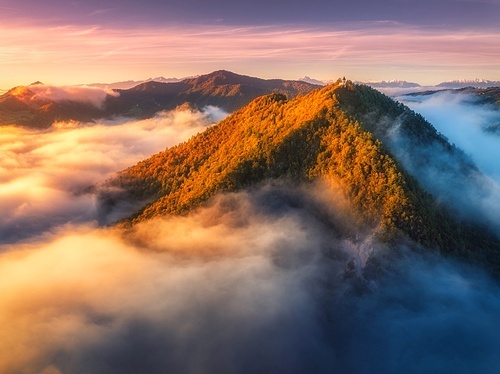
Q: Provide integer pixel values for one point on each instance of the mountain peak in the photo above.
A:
(312, 81)
(223, 77)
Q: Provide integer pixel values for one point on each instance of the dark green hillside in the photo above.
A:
(312, 137)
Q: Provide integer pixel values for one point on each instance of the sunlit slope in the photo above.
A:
(312, 137)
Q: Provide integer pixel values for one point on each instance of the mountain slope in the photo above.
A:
(321, 136)
(21, 106)
(222, 88)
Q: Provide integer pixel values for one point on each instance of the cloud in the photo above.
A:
(277, 278)
(91, 95)
(44, 176)
(241, 286)
(463, 122)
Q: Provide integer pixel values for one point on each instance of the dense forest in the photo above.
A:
(335, 135)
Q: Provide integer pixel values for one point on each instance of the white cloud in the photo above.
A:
(463, 122)
(269, 280)
(44, 175)
(90, 95)
(235, 281)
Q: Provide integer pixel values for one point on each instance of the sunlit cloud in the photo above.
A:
(235, 281)
(91, 95)
(46, 174)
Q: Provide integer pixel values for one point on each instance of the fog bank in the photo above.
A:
(242, 286)
(472, 194)
(90, 95)
(274, 279)
(44, 176)
(463, 122)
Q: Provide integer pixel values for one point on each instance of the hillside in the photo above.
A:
(21, 106)
(332, 135)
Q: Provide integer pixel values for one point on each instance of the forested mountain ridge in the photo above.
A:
(331, 134)
(24, 106)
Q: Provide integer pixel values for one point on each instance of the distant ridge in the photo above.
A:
(391, 84)
(221, 88)
(224, 89)
(312, 81)
(462, 83)
(124, 85)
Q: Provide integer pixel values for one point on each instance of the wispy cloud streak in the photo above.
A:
(357, 49)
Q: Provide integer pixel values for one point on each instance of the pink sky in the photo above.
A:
(76, 54)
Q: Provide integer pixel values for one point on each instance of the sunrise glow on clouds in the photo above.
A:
(74, 54)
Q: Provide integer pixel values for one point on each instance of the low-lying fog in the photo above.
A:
(271, 280)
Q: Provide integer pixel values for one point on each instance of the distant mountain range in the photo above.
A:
(26, 106)
(313, 81)
(38, 106)
(124, 85)
(391, 84)
(375, 84)
(224, 89)
(462, 83)
(477, 83)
